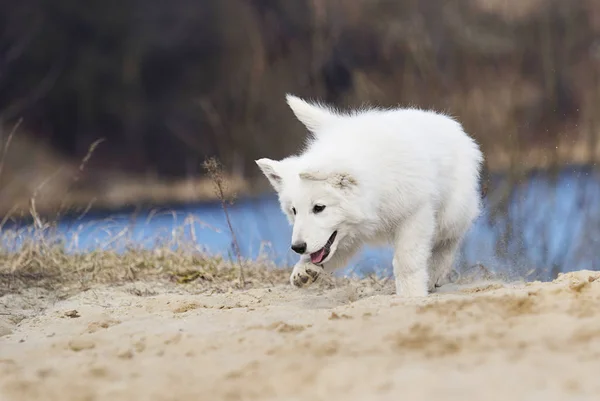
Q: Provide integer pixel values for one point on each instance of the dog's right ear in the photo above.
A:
(270, 169)
(313, 116)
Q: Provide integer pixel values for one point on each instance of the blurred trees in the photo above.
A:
(171, 83)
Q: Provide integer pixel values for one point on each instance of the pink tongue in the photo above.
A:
(317, 257)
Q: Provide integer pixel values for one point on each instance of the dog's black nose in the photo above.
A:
(299, 247)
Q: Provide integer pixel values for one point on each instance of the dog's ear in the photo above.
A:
(270, 169)
(313, 116)
(343, 181)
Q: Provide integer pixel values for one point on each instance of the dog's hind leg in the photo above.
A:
(441, 261)
(453, 223)
(412, 249)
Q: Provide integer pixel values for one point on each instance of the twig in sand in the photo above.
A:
(215, 171)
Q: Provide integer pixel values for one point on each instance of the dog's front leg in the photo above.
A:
(304, 272)
(412, 249)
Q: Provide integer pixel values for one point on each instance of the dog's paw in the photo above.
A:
(305, 274)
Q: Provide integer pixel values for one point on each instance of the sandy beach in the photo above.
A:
(358, 341)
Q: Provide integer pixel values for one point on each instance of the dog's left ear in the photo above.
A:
(270, 169)
(343, 181)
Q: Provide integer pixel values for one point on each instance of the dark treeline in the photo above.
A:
(169, 83)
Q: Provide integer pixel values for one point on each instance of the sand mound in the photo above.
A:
(156, 342)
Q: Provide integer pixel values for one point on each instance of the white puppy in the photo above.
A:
(405, 177)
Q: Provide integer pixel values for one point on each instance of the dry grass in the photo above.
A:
(45, 263)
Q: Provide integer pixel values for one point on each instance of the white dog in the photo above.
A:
(407, 177)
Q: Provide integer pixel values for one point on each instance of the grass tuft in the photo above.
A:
(43, 263)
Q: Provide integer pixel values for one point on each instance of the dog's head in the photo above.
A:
(316, 201)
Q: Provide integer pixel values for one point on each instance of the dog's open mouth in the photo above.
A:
(319, 256)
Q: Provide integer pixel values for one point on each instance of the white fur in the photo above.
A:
(405, 177)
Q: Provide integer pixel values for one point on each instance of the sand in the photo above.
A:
(488, 341)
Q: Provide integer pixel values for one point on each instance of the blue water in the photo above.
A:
(549, 223)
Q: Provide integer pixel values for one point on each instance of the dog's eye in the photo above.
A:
(294, 210)
(318, 208)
